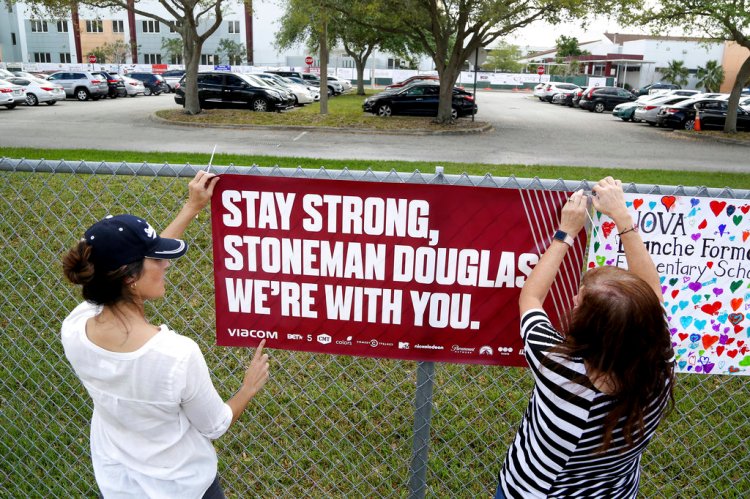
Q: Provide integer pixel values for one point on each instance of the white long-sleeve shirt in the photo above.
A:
(155, 412)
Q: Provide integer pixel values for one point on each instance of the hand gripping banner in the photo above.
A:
(405, 271)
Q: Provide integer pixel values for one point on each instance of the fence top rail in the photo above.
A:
(416, 177)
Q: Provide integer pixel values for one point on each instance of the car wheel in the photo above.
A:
(296, 101)
(260, 104)
(52, 103)
(82, 94)
(10, 106)
(330, 92)
(147, 91)
(599, 107)
(689, 124)
(384, 110)
(651, 123)
(623, 118)
(31, 100)
(634, 119)
(454, 113)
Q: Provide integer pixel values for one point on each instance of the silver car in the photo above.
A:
(646, 111)
(11, 94)
(81, 84)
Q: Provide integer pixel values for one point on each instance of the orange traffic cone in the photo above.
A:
(697, 124)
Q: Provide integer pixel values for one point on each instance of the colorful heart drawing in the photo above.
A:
(695, 202)
(745, 235)
(682, 364)
(734, 369)
(675, 292)
(717, 291)
(732, 353)
(637, 203)
(722, 228)
(652, 204)
(703, 224)
(682, 336)
(699, 325)
(710, 265)
(607, 228)
(736, 303)
(668, 201)
(673, 281)
(685, 321)
(711, 308)
(596, 246)
(694, 337)
(737, 219)
(695, 299)
(722, 317)
(600, 260)
(730, 209)
(683, 304)
(695, 236)
(745, 362)
(736, 318)
(717, 206)
(735, 285)
(745, 208)
(695, 286)
(708, 340)
(719, 350)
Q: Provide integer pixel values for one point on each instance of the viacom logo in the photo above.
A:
(324, 339)
(253, 333)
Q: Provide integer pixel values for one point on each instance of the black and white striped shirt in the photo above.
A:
(556, 452)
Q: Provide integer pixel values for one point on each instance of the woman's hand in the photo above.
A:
(608, 199)
(256, 373)
(200, 190)
(573, 216)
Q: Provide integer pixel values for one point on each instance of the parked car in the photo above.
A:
(222, 88)
(38, 90)
(81, 84)
(745, 103)
(299, 93)
(133, 87)
(311, 87)
(625, 111)
(713, 114)
(563, 99)
(419, 99)
(172, 78)
(296, 74)
(4, 73)
(599, 99)
(656, 86)
(577, 96)
(647, 111)
(346, 85)
(555, 87)
(412, 79)
(539, 91)
(154, 83)
(11, 94)
(115, 84)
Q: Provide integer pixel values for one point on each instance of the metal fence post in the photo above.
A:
(421, 439)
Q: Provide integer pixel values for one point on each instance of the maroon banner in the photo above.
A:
(405, 271)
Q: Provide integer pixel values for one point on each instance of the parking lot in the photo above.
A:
(525, 131)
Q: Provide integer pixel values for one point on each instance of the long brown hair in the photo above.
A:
(620, 329)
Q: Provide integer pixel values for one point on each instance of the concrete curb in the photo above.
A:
(684, 134)
(327, 129)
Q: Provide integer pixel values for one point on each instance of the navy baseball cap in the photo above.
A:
(123, 239)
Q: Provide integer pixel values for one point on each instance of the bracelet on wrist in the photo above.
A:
(633, 228)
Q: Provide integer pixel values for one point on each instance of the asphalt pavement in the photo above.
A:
(525, 131)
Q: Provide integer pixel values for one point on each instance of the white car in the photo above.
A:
(557, 87)
(346, 85)
(647, 110)
(11, 94)
(38, 90)
(313, 88)
(539, 91)
(300, 93)
(133, 87)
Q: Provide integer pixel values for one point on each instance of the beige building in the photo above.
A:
(734, 56)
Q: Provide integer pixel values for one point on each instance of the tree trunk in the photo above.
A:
(360, 76)
(192, 54)
(730, 124)
(447, 79)
(324, 68)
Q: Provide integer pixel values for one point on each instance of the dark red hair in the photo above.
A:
(620, 329)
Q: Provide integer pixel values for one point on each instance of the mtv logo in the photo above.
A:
(324, 339)
(403, 345)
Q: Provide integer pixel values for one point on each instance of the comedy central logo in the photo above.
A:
(324, 339)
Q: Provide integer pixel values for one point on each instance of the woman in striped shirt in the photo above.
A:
(602, 388)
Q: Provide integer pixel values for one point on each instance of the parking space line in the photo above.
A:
(295, 139)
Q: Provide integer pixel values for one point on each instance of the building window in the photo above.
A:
(94, 26)
(42, 57)
(347, 62)
(234, 26)
(62, 26)
(13, 38)
(65, 57)
(175, 59)
(152, 58)
(118, 27)
(38, 26)
(172, 30)
(209, 59)
(150, 26)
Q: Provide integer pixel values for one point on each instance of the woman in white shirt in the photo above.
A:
(155, 407)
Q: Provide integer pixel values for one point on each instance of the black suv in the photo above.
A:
(154, 84)
(657, 86)
(220, 88)
(598, 99)
(115, 83)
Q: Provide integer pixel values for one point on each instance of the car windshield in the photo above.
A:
(255, 80)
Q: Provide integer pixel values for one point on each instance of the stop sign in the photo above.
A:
(308, 60)
(540, 70)
(92, 59)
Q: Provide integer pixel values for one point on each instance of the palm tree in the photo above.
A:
(711, 77)
(675, 73)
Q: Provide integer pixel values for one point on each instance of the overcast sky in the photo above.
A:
(541, 34)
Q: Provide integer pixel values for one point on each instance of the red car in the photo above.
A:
(412, 79)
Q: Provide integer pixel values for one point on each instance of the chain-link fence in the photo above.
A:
(324, 426)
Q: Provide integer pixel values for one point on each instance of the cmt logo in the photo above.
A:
(324, 339)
